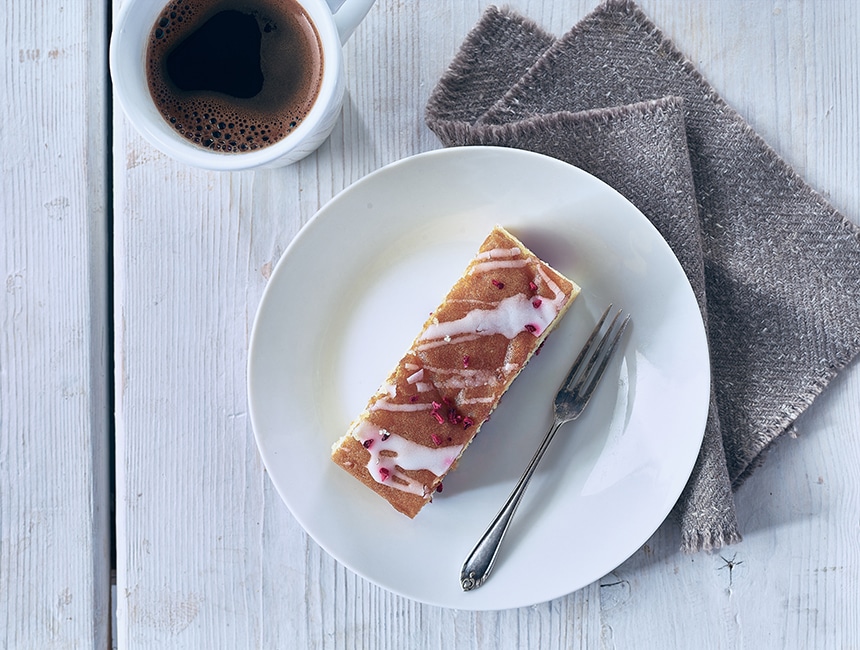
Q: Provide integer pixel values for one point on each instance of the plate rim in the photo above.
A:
(298, 241)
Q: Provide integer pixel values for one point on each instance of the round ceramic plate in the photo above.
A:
(352, 291)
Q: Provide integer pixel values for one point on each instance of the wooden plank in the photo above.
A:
(54, 381)
(210, 557)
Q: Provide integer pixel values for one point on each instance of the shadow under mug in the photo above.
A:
(335, 21)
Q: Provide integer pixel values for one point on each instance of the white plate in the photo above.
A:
(350, 294)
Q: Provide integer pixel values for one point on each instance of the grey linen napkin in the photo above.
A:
(775, 268)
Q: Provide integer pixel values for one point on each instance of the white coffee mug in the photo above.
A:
(335, 21)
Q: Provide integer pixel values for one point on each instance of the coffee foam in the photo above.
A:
(216, 121)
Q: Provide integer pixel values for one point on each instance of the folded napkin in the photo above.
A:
(775, 268)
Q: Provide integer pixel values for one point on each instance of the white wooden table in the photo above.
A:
(130, 285)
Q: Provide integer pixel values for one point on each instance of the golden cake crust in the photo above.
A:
(420, 421)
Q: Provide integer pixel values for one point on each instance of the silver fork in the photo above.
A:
(570, 401)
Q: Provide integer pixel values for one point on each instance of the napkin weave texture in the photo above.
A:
(774, 267)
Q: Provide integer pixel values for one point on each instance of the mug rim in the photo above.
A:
(127, 53)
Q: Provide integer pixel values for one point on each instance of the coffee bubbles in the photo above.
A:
(234, 76)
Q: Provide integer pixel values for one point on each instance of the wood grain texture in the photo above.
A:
(54, 421)
(209, 557)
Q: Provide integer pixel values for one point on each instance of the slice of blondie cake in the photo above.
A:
(420, 421)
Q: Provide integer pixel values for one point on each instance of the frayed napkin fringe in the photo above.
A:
(708, 541)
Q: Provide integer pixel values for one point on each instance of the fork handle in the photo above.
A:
(476, 569)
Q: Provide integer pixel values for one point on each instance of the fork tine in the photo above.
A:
(587, 389)
(576, 366)
(596, 352)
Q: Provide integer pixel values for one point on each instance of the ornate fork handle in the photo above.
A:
(480, 562)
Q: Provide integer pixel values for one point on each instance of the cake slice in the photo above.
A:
(420, 421)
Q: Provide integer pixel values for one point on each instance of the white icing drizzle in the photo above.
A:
(558, 298)
(509, 317)
(446, 340)
(384, 405)
(466, 382)
(406, 455)
(483, 267)
(465, 378)
(494, 253)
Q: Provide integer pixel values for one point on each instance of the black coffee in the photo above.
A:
(233, 75)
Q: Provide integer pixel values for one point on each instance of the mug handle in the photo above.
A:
(348, 14)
